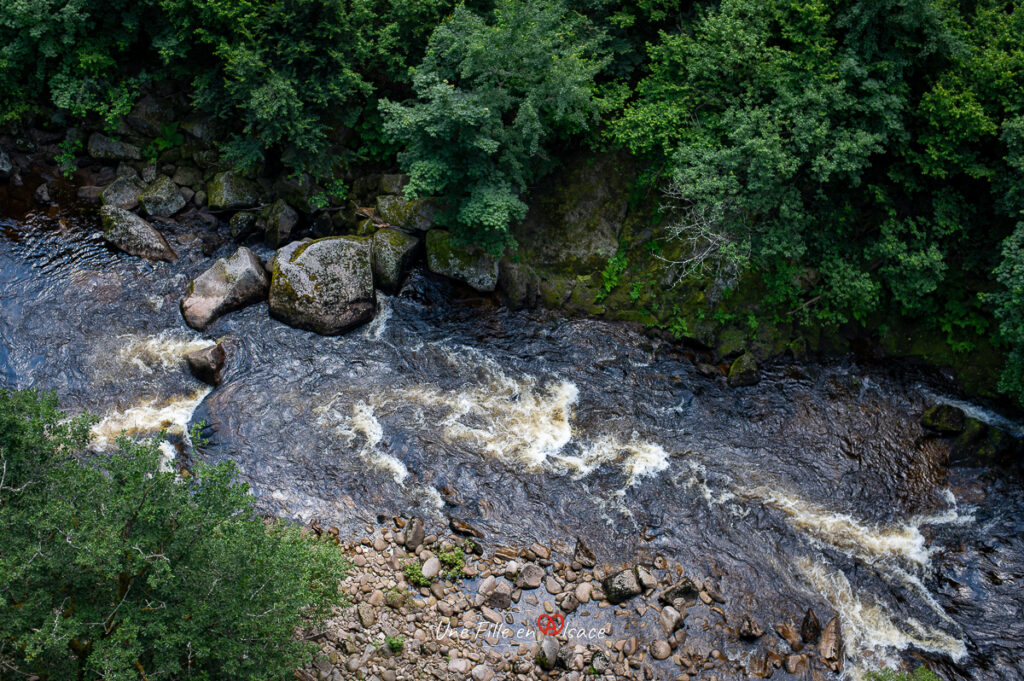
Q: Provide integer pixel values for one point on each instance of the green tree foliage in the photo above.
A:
(857, 138)
(112, 568)
(493, 92)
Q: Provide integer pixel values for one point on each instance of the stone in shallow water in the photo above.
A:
(621, 586)
(206, 364)
(277, 222)
(324, 285)
(133, 235)
(122, 193)
(393, 253)
(231, 284)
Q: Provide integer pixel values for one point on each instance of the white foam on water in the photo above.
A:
(976, 412)
(149, 417)
(869, 630)
(164, 350)
(637, 457)
(167, 455)
(376, 328)
(363, 421)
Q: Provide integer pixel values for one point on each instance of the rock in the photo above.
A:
(548, 652)
(810, 629)
(229, 191)
(647, 580)
(464, 528)
(148, 116)
(831, 644)
(242, 224)
(621, 586)
(133, 235)
(983, 444)
(277, 222)
(415, 214)
(944, 418)
(104, 148)
(6, 167)
(743, 371)
(366, 615)
(206, 364)
(230, 284)
(393, 253)
(187, 176)
(414, 534)
(482, 672)
(42, 194)
(162, 197)
(459, 665)
(788, 633)
(431, 567)
(552, 586)
(583, 555)
(468, 265)
(583, 592)
(530, 576)
(325, 286)
(501, 597)
(670, 619)
(89, 194)
(660, 649)
(796, 665)
(685, 589)
(749, 629)
(393, 183)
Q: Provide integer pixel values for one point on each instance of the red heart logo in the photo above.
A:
(551, 624)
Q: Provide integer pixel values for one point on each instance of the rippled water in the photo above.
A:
(817, 487)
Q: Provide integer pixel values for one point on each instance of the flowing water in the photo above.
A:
(817, 487)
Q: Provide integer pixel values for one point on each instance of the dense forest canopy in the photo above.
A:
(865, 159)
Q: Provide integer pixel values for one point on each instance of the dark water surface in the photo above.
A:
(817, 487)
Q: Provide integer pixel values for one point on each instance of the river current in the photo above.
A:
(815, 488)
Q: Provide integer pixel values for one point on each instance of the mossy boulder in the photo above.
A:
(122, 192)
(242, 224)
(230, 191)
(230, 284)
(133, 235)
(744, 371)
(277, 222)
(393, 183)
(107, 149)
(393, 254)
(463, 263)
(414, 214)
(162, 198)
(944, 418)
(981, 444)
(323, 285)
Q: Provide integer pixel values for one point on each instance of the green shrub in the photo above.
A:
(111, 568)
(492, 92)
(394, 643)
(413, 571)
(922, 673)
(453, 561)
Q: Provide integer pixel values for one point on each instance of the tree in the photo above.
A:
(492, 92)
(112, 568)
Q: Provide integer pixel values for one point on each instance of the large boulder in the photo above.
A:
(944, 418)
(397, 211)
(393, 253)
(133, 235)
(228, 191)
(466, 264)
(162, 197)
(122, 193)
(6, 167)
(744, 371)
(323, 285)
(231, 284)
(206, 364)
(277, 222)
(102, 147)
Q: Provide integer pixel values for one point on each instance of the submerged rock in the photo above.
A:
(162, 197)
(810, 629)
(103, 148)
(229, 191)
(122, 193)
(944, 418)
(206, 364)
(749, 629)
(133, 235)
(744, 371)
(393, 253)
(583, 555)
(230, 284)
(621, 586)
(417, 214)
(324, 285)
(465, 264)
(277, 222)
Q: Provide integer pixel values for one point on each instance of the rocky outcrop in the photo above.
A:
(106, 149)
(393, 253)
(133, 235)
(414, 214)
(231, 284)
(122, 193)
(324, 285)
(229, 191)
(162, 198)
(744, 371)
(206, 364)
(277, 222)
(462, 263)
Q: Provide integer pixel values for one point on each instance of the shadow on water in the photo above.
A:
(817, 487)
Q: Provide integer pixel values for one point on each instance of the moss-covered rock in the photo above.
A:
(393, 183)
(104, 148)
(744, 371)
(277, 222)
(133, 235)
(324, 285)
(230, 191)
(230, 284)
(980, 444)
(393, 254)
(414, 214)
(463, 263)
(161, 198)
(944, 418)
(122, 192)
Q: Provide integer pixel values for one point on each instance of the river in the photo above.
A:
(817, 487)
